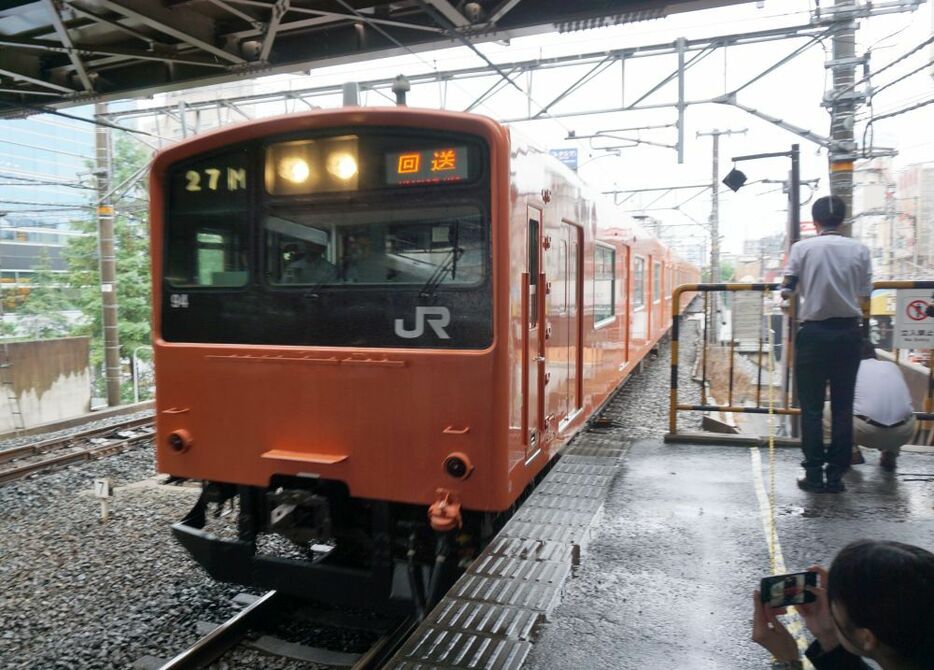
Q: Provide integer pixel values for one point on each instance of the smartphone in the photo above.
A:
(784, 590)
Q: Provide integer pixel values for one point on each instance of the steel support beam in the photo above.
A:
(63, 35)
(278, 12)
(120, 53)
(164, 26)
(99, 18)
(820, 140)
(227, 7)
(590, 74)
(19, 76)
(450, 13)
(502, 9)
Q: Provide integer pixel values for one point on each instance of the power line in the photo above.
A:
(904, 76)
(903, 111)
(895, 62)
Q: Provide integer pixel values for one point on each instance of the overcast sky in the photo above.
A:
(793, 93)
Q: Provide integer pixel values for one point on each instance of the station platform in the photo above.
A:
(669, 575)
(652, 554)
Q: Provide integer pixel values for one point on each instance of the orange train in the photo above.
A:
(374, 328)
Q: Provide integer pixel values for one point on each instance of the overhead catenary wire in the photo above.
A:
(895, 62)
(868, 130)
(903, 77)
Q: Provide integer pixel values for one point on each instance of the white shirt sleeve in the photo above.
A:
(866, 280)
(793, 268)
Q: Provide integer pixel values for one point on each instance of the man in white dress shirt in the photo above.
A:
(833, 276)
(883, 413)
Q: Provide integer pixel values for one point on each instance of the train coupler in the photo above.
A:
(445, 512)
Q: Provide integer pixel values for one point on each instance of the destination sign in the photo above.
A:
(427, 166)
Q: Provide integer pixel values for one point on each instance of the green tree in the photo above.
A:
(41, 314)
(131, 238)
(727, 271)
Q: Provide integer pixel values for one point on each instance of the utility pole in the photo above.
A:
(106, 251)
(841, 102)
(715, 221)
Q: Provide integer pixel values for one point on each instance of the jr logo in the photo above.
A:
(437, 318)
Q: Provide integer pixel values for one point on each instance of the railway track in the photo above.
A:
(212, 646)
(18, 462)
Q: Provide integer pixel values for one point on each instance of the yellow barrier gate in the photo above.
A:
(787, 407)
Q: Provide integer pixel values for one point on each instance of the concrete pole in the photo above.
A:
(842, 106)
(106, 250)
(715, 222)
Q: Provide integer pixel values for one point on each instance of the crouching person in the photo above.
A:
(883, 416)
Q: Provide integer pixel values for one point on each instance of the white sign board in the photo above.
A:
(914, 319)
(102, 488)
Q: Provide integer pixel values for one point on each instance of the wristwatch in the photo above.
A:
(787, 665)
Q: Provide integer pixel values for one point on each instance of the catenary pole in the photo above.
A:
(106, 251)
(842, 106)
(715, 217)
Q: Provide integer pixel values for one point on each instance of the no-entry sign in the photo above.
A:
(914, 319)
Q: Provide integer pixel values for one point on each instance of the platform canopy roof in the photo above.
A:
(59, 53)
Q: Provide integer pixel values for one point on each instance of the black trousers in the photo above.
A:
(827, 351)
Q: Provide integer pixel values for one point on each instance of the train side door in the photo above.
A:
(533, 353)
(573, 288)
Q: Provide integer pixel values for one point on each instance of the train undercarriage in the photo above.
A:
(346, 551)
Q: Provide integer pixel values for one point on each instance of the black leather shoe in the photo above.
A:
(811, 485)
(834, 487)
(888, 460)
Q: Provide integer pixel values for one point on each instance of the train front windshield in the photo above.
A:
(366, 239)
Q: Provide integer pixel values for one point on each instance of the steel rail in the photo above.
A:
(52, 443)
(386, 646)
(213, 645)
(87, 454)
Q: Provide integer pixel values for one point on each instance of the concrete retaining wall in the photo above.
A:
(51, 379)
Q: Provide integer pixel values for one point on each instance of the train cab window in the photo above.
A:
(206, 223)
(604, 284)
(656, 282)
(425, 246)
(211, 253)
(638, 282)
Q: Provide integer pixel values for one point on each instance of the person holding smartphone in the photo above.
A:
(876, 602)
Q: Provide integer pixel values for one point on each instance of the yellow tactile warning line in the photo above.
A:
(767, 506)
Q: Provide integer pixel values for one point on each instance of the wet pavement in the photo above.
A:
(667, 578)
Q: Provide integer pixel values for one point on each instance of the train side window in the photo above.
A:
(532, 265)
(638, 282)
(604, 283)
(656, 282)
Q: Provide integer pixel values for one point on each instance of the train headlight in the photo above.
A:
(342, 165)
(294, 169)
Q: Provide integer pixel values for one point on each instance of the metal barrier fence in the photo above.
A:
(787, 405)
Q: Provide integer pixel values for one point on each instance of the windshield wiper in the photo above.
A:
(450, 263)
(438, 276)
